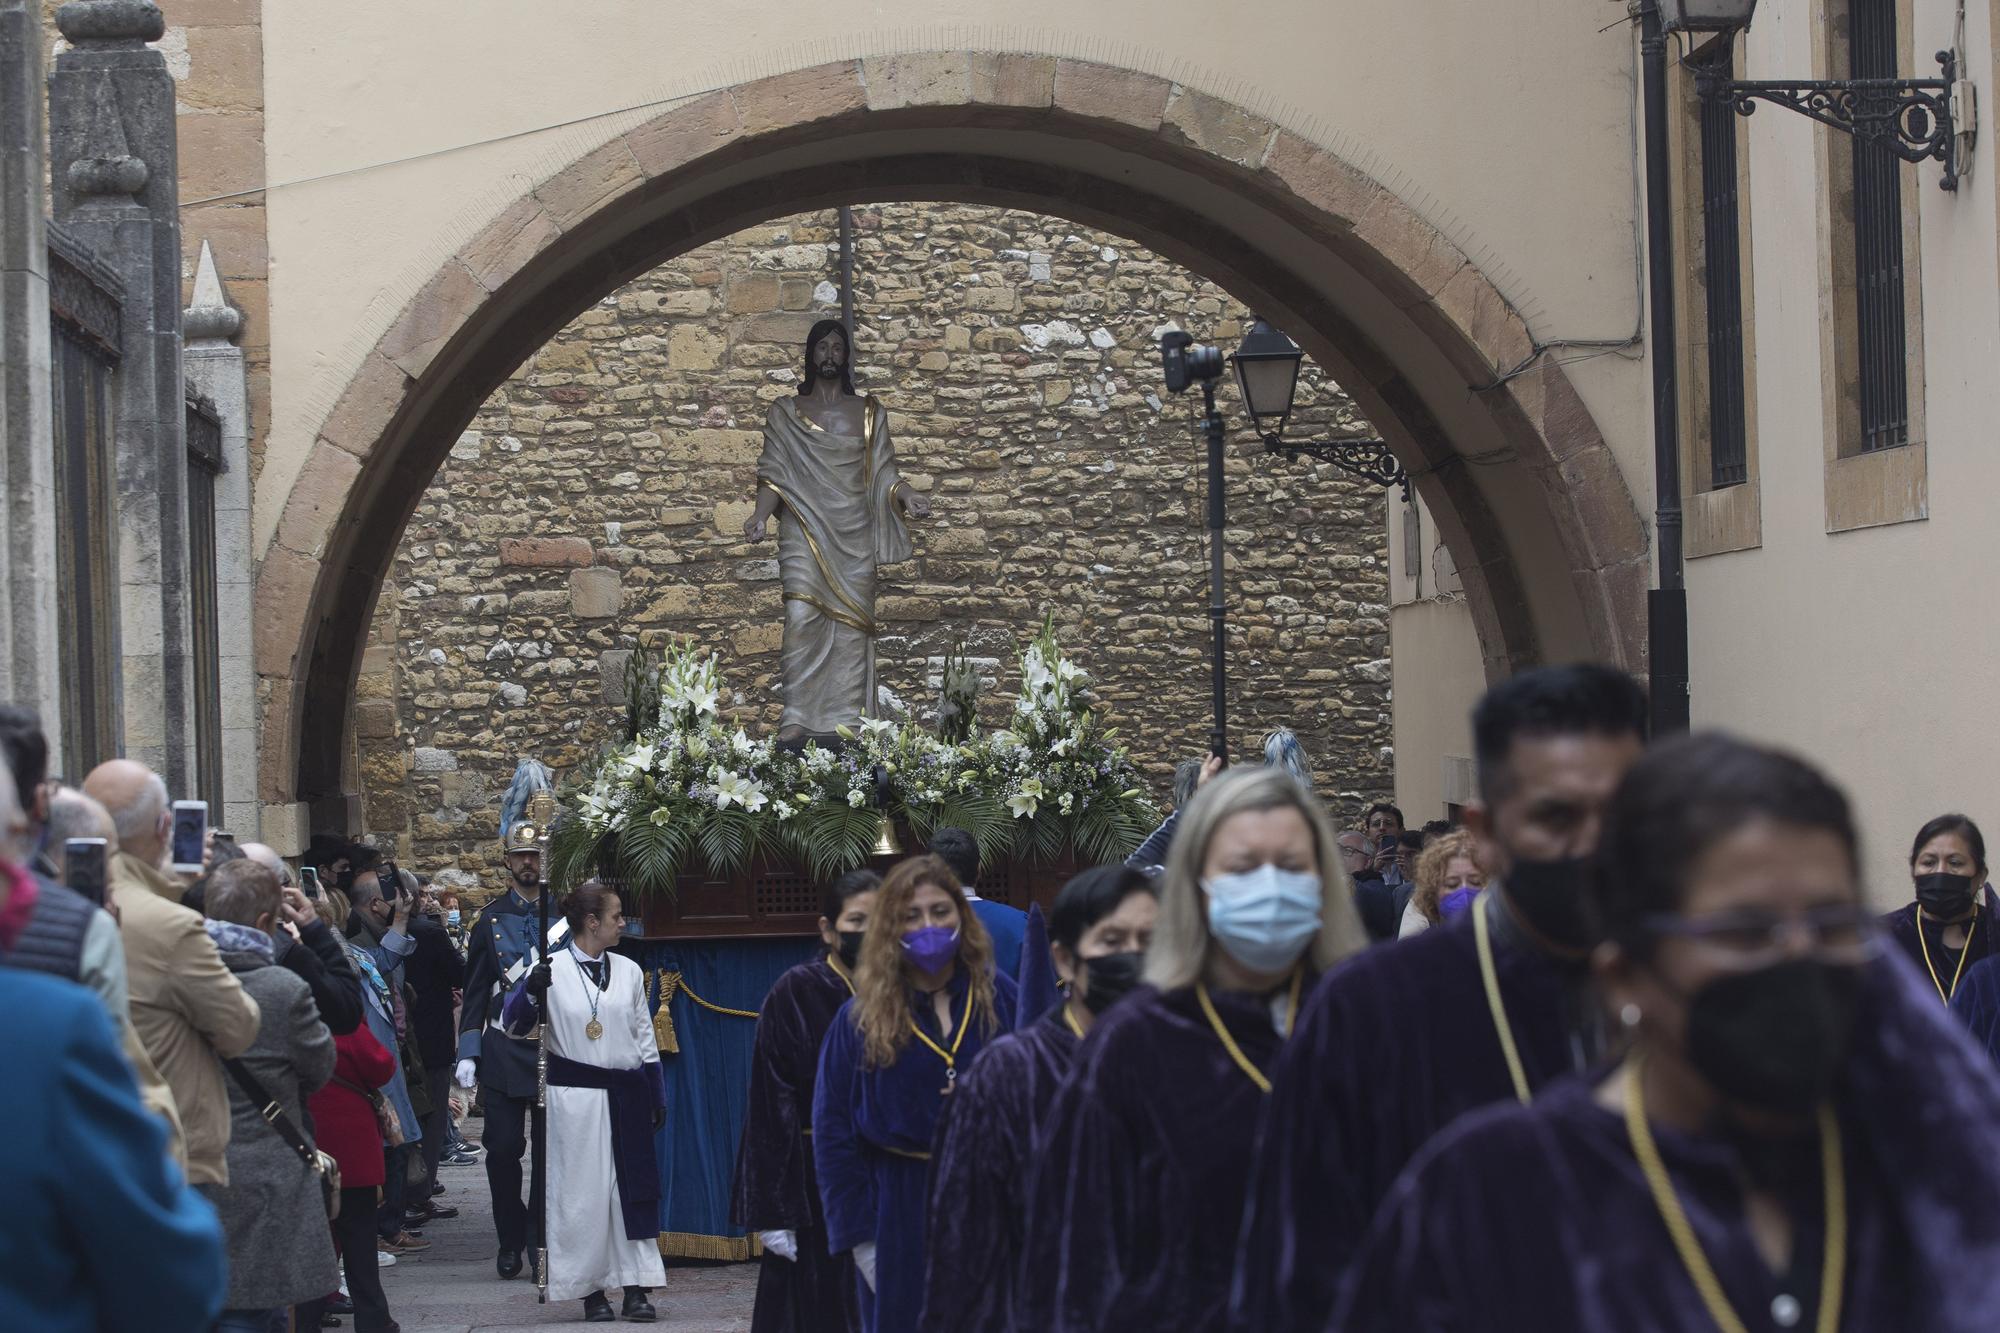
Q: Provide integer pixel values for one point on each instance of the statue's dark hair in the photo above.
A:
(820, 330)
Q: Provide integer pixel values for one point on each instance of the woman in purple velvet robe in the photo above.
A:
(803, 1287)
(1947, 929)
(1139, 1178)
(1102, 923)
(926, 1002)
(1797, 1137)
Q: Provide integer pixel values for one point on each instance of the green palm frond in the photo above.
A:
(728, 839)
(832, 838)
(650, 855)
(572, 853)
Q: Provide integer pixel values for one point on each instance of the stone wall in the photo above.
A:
(600, 496)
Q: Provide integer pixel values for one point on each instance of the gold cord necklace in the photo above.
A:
(1834, 1267)
(1963, 954)
(1255, 1074)
(1482, 936)
(833, 961)
(950, 1057)
(1074, 1026)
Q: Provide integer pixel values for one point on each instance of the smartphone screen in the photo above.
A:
(190, 835)
(86, 870)
(309, 881)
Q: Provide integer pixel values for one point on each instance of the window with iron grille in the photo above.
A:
(1728, 424)
(204, 446)
(1878, 244)
(86, 551)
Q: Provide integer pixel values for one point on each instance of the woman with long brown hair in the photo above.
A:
(926, 1002)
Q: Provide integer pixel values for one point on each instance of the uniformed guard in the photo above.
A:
(500, 952)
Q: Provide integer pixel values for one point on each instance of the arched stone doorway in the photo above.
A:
(1545, 534)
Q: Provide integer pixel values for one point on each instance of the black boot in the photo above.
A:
(637, 1308)
(597, 1309)
(508, 1262)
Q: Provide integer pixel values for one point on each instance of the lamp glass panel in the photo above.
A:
(1268, 384)
(1706, 15)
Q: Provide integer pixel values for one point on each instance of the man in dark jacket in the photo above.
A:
(435, 972)
(320, 961)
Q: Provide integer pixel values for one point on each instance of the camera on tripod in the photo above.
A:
(1188, 362)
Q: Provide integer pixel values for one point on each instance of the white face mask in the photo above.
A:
(1265, 917)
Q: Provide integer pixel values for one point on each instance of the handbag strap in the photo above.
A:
(274, 1114)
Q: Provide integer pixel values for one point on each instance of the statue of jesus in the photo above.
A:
(828, 462)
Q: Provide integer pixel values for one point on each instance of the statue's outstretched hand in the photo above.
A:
(754, 529)
(915, 504)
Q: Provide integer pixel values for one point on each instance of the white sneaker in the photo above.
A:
(384, 1259)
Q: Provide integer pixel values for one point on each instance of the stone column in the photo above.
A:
(111, 143)
(28, 637)
(211, 325)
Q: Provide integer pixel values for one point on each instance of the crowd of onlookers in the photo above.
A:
(244, 1088)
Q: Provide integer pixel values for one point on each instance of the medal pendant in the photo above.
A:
(593, 1029)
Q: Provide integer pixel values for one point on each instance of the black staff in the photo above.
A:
(541, 810)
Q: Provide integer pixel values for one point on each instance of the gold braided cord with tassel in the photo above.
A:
(663, 1019)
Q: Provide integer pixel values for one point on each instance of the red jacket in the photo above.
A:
(343, 1119)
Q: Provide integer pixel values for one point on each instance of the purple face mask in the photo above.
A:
(931, 948)
(1455, 902)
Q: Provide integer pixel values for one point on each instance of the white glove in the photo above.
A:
(468, 1073)
(864, 1259)
(784, 1244)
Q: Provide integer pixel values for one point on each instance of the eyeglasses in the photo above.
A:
(1842, 932)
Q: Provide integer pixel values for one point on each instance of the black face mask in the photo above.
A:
(850, 947)
(1947, 897)
(1774, 1039)
(1549, 897)
(1109, 978)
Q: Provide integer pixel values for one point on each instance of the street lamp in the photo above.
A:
(1267, 371)
(1706, 15)
(1918, 120)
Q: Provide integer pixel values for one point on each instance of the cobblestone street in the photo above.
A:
(451, 1287)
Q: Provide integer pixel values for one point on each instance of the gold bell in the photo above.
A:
(886, 841)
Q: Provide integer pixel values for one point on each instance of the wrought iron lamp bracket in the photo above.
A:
(1916, 119)
(1370, 460)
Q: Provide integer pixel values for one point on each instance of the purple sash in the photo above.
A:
(634, 1094)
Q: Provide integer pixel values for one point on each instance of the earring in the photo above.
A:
(1630, 1016)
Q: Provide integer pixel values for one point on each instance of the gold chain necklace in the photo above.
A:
(1834, 1267)
(1963, 954)
(1482, 935)
(1255, 1074)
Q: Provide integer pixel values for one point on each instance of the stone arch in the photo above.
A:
(1548, 541)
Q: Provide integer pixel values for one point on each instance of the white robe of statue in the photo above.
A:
(588, 1249)
(839, 522)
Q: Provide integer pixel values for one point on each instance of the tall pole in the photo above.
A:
(1218, 613)
(847, 270)
(1666, 605)
(541, 809)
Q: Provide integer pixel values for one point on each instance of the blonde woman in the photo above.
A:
(926, 1002)
(1138, 1188)
(1449, 876)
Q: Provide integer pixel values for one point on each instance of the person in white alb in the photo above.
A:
(606, 1106)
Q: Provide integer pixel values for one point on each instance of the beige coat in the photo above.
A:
(189, 1010)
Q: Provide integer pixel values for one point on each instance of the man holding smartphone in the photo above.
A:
(189, 1010)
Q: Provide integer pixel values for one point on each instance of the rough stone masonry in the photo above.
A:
(599, 497)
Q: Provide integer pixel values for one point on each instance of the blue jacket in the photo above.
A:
(100, 1231)
(501, 951)
(1008, 926)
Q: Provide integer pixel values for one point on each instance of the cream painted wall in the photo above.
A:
(1874, 651)
(1509, 127)
(1436, 678)
(1436, 674)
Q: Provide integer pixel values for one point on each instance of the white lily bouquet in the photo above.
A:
(684, 788)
